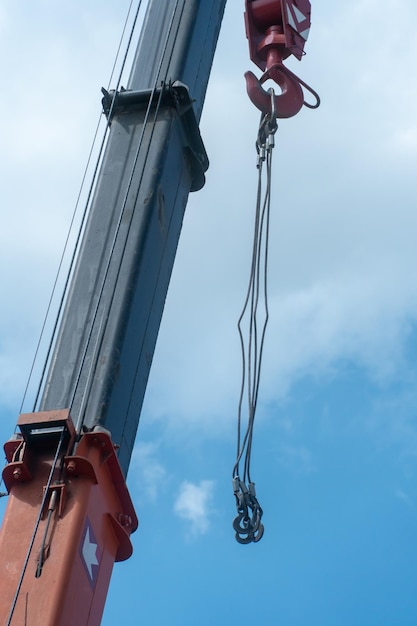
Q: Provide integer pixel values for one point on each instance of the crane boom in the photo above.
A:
(154, 158)
(69, 514)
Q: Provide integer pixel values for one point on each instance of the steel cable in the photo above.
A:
(80, 230)
(37, 523)
(69, 273)
(158, 82)
(248, 524)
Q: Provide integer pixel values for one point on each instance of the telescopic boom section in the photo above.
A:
(69, 515)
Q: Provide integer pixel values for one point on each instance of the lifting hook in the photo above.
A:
(277, 29)
(287, 104)
(291, 99)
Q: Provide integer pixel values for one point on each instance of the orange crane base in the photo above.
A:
(68, 519)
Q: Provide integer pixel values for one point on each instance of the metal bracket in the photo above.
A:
(175, 96)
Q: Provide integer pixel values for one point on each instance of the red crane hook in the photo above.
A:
(288, 103)
(275, 30)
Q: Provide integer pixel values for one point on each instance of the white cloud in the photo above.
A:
(343, 223)
(147, 471)
(405, 139)
(297, 459)
(342, 232)
(193, 505)
(406, 498)
(359, 320)
(46, 136)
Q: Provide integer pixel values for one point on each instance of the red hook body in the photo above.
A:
(287, 104)
(275, 30)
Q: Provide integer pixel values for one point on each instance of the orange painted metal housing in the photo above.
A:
(63, 578)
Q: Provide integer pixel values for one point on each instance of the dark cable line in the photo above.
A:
(35, 530)
(69, 273)
(101, 330)
(164, 81)
(92, 184)
(51, 509)
(258, 363)
(54, 463)
(102, 327)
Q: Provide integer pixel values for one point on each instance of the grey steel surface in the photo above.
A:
(118, 357)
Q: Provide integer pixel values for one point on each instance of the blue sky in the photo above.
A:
(335, 452)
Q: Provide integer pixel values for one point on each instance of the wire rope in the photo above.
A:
(71, 226)
(92, 184)
(102, 327)
(126, 196)
(59, 447)
(37, 522)
(164, 80)
(247, 524)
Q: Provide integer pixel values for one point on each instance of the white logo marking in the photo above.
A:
(89, 553)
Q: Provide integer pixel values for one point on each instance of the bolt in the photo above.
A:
(71, 467)
(17, 473)
(125, 520)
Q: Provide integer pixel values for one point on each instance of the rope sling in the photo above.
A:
(247, 524)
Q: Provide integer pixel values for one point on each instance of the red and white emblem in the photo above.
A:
(298, 16)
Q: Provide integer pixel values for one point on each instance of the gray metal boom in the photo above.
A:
(154, 158)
